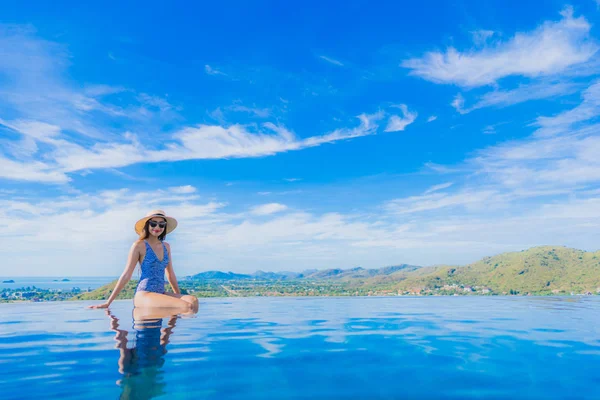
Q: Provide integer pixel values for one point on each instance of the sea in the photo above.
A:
(54, 282)
(305, 348)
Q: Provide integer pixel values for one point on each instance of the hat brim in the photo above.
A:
(171, 223)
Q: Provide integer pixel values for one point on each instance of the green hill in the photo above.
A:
(103, 292)
(539, 270)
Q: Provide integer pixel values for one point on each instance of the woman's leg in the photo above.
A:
(157, 300)
(187, 298)
(150, 313)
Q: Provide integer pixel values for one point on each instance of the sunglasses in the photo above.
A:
(153, 224)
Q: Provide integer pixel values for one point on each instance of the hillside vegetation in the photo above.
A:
(539, 270)
(103, 292)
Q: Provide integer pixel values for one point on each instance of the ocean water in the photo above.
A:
(55, 283)
(306, 348)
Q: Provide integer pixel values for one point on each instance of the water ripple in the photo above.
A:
(328, 348)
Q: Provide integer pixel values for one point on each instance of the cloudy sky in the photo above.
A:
(291, 137)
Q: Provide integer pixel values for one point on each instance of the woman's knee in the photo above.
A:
(190, 299)
(192, 302)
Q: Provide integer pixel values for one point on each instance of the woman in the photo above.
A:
(154, 256)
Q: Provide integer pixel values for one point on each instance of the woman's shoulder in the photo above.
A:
(167, 245)
(138, 245)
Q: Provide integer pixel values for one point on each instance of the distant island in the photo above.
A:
(544, 270)
(62, 280)
(9, 281)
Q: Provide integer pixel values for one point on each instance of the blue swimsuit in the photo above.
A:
(153, 271)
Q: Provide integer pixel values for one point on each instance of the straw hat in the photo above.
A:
(171, 222)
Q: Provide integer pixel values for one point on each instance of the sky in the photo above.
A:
(284, 137)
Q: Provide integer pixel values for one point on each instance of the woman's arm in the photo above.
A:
(134, 255)
(171, 273)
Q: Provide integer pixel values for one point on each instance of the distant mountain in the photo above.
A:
(309, 274)
(396, 268)
(325, 274)
(221, 276)
(357, 273)
(540, 270)
(276, 276)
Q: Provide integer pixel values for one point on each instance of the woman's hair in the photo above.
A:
(146, 232)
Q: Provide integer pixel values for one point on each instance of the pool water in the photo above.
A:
(306, 348)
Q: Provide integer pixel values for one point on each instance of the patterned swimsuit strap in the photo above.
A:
(165, 252)
(148, 248)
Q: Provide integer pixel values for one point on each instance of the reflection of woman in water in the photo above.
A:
(154, 256)
(141, 365)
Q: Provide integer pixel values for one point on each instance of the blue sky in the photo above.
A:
(286, 137)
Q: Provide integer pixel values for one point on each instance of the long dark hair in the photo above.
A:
(146, 232)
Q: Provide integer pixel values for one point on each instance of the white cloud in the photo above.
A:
(97, 231)
(35, 87)
(523, 93)
(442, 169)
(588, 109)
(481, 37)
(155, 101)
(30, 171)
(534, 191)
(268, 209)
(489, 130)
(441, 186)
(519, 193)
(235, 141)
(212, 71)
(549, 49)
(397, 123)
(368, 126)
(187, 189)
(331, 61)
(202, 142)
(70, 157)
(559, 158)
(458, 103)
(102, 90)
(52, 112)
(35, 129)
(432, 118)
(435, 201)
(565, 163)
(218, 115)
(514, 195)
(259, 112)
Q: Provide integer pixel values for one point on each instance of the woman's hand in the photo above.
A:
(104, 305)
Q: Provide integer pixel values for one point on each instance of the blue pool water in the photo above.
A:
(307, 348)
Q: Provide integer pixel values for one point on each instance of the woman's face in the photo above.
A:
(156, 226)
